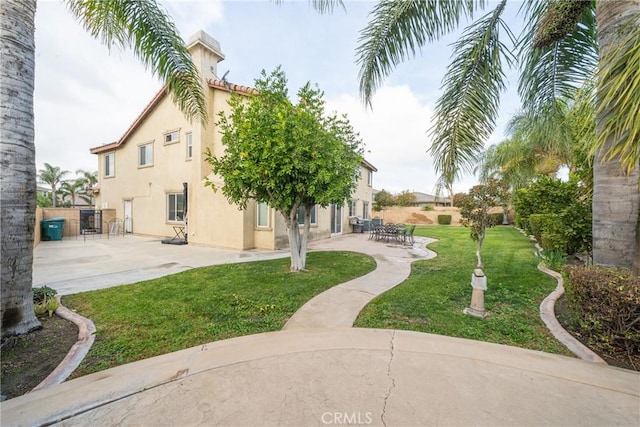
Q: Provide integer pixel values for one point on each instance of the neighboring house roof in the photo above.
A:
(428, 198)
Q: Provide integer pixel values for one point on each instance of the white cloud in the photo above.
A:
(395, 135)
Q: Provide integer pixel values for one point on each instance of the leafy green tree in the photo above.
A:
(474, 210)
(53, 176)
(287, 155)
(383, 199)
(141, 25)
(405, 198)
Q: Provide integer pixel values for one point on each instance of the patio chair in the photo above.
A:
(408, 235)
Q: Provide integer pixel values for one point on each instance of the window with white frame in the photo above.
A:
(110, 164)
(145, 154)
(189, 146)
(262, 215)
(171, 137)
(312, 216)
(352, 208)
(365, 210)
(175, 207)
(369, 178)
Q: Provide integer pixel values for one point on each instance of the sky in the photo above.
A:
(87, 95)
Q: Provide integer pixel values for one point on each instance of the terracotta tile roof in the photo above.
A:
(230, 87)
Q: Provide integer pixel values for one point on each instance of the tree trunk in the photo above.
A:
(616, 195)
(298, 243)
(479, 250)
(17, 166)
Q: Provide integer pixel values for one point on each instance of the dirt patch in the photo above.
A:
(619, 358)
(29, 359)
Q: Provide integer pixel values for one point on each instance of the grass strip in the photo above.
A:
(202, 305)
(432, 298)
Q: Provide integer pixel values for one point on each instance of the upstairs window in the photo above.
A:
(145, 154)
(189, 146)
(370, 178)
(171, 137)
(110, 164)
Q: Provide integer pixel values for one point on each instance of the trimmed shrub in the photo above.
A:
(541, 223)
(568, 202)
(606, 304)
(496, 218)
(444, 219)
(41, 294)
(427, 208)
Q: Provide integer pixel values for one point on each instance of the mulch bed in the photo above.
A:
(29, 359)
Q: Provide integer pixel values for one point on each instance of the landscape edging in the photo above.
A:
(86, 336)
(548, 316)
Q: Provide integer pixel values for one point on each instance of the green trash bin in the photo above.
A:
(52, 228)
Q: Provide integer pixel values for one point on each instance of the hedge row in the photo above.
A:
(444, 219)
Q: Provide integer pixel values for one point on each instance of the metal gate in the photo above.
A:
(90, 221)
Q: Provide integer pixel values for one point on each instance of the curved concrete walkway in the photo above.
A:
(309, 375)
(339, 306)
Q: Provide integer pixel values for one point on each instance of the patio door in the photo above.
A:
(336, 219)
(128, 228)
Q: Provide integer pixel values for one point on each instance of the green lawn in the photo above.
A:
(205, 304)
(433, 297)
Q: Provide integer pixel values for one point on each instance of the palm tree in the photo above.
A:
(550, 70)
(73, 189)
(141, 25)
(89, 180)
(52, 175)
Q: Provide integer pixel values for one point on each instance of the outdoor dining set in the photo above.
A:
(397, 233)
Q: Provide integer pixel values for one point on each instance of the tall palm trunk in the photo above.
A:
(17, 165)
(616, 195)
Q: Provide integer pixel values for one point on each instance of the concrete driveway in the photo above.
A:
(72, 266)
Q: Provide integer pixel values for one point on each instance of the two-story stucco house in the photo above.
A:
(143, 175)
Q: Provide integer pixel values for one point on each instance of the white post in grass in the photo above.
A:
(479, 285)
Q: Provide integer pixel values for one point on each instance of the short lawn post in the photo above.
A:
(479, 285)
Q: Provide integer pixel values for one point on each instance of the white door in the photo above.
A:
(127, 217)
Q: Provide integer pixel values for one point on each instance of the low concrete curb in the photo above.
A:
(548, 316)
(86, 331)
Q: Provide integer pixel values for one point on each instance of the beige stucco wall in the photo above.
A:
(211, 219)
(415, 215)
(37, 234)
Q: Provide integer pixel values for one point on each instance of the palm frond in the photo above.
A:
(321, 6)
(145, 27)
(465, 114)
(398, 29)
(619, 100)
(555, 71)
